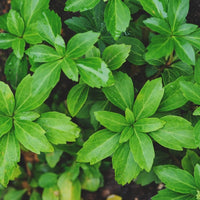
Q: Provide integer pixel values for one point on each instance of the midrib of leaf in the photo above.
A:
(32, 11)
(163, 44)
(123, 99)
(116, 55)
(175, 17)
(15, 25)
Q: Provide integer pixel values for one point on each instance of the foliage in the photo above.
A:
(132, 98)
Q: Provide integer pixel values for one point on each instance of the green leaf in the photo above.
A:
(5, 124)
(160, 46)
(117, 17)
(100, 145)
(126, 169)
(197, 175)
(176, 134)
(158, 25)
(70, 68)
(49, 26)
(7, 101)
(115, 55)
(197, 133)
(69, 190)
(14, 194)
(35, 196)
(121, 94)
(126, 134)
(48, 179)
(79, 44)
(60, 45)
(80, 5)
(176, 180)
(155, 8)
(194, 38)
(197, 70)
(191, 91)
(173, 97)
(15, 70)
(177, 12)
(196, 112)
(93, 52)
(148, 99)
(166, 194)
(142, 148)
(78, 24)
(10, 155)
(32, 136)
(136, 55)
(130, 118)
(95, 72)
(3, 22)
(15, 23)
(51, 193)
(184, 50)
(76, 98)
(27, 115)
(59, 129)
(30, 10)
(53, 158)
(18, 47)
(147, 125)
(112, 121)
(6, 40)
(43, 53)
(185, 29)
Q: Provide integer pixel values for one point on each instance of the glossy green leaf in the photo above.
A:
(6, 40)
(112, 121)
(194, 38)
(184, 50)
(60, 45)
(158, 25)
(18, 47)
(185, 29)
(173, 97)
(10, 155)
(136, 55)
(148, 99)
(31, 9)
(42, 53)
(32, 136)
(126, 134)
(197, 175)
(59, 129)
(191, 91)
(147, 125)
(49, 26)
(95, 72)
(167, 194)
(155, 8)
(79, 44)
(126, 169)
(7, 101)
(197, 133)
(27, 116)
(176, 134)
(51, 193)
(177, 12)
(159, 47)
(80, 5)
(196, 112)
(3, 22)
(121, 94)
(117, 17)
(69, 67)
(69, 190)
(15, 69)
(76, 98)
(115, 55)
(176, 180)
(99, 146)
(5, 124)
(93, 52)
(15, 23)
(197, 70)
(142, 148)
(48, 179)
(130, 118)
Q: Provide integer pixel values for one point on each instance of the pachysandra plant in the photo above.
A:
(137, 106)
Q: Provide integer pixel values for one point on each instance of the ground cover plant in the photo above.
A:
(122, 92)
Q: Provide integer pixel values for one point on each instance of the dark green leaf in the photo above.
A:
(76, 98)
(5, 124)
(6, 40)
(3, 22)
(48, 179)
(99, 146)
(197, 175)
(121, 94)
(194, 38)
(126, 169)
(14, 194)
(53, 158)
(148, 99)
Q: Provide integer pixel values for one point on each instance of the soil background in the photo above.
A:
(130, 191)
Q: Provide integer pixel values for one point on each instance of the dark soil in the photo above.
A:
(129, 191)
